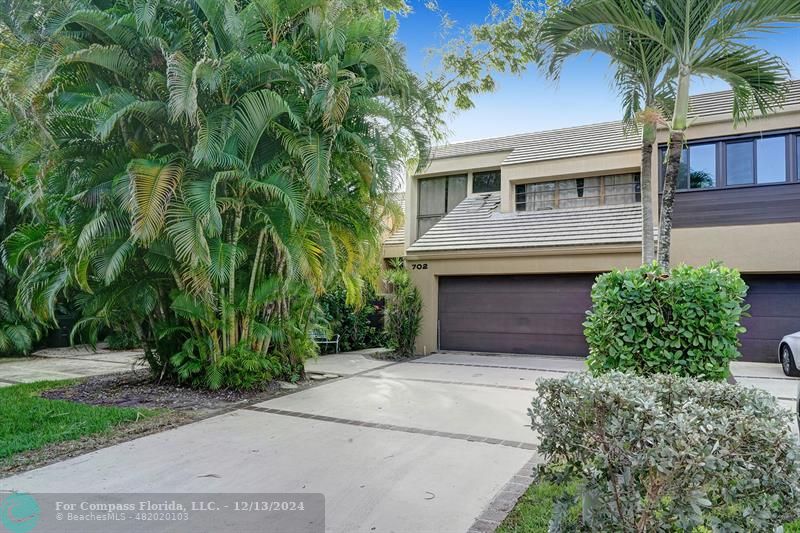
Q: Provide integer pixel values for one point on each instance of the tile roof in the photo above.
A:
(589, 139)
(477, 224)
(551, 144)
(721, 103)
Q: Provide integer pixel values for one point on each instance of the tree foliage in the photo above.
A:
(403, 312)
(507, 42)
(211, 168)
(699, 39)
(17, 164)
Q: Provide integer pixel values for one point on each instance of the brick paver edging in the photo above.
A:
(447, 382)
(505, 500)
(494, 366)
(392, 427)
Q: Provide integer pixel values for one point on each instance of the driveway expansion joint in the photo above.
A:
(492, 366)
(393, 427)
(447, 382)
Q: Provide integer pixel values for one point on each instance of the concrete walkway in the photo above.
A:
(439, 444)
(66, 363)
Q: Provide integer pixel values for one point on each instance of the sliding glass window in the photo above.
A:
(578, 193)
(737, 162)
(771, 160)
(437, 197)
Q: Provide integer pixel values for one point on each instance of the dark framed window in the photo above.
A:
(486, 181)
(797, 156)
(771, 158)
(578, 193)
(437, 197)
(737, 161)
(702, 166)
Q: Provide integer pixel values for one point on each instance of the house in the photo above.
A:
(505, 236)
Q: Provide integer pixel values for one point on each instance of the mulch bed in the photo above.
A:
(140, 390)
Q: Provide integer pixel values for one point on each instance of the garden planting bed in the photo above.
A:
(140, 389)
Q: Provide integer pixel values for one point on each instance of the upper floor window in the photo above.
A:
(437, 196)
(580, 192)
(486, 181)
(735, 162)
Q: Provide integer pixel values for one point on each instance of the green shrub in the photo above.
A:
(239, 368)
(684, 322)
(670, 453)
(403, 312)
(358, 327)
(122, 340)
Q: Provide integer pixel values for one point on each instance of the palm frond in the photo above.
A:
(255, 112)
(110, 57)
(182, 85)
(152, 184)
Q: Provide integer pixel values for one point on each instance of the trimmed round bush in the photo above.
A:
(648, 321)
(669, 453)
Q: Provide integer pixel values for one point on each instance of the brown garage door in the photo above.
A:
(775, 309)
(540, 314)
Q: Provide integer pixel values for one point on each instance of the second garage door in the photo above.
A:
(544, 314)
(540, 314)
(774, 312)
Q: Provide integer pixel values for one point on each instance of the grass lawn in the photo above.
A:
(534, 509)
(30, 422)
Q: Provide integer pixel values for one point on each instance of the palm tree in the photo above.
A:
(217, 165)
(18, 163)
(701, 38)
(646, 91)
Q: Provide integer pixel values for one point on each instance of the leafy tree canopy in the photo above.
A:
(209, 167)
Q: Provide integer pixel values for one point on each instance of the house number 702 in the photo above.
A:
(420, 266)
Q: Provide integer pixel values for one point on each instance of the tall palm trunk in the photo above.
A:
(677, 138)
(233, 325)
(645, 188)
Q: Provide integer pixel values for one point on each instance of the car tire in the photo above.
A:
(787, 362)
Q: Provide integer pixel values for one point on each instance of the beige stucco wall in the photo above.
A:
(722, 125)
(760, 248)
(576, 260)
(454, 165)
(393, 250)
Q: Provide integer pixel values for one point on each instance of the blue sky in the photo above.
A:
(531, 103)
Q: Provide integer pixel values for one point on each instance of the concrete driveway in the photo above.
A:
(66, 363)
(437, 444)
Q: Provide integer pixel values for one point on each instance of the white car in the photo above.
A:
(788, 350)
